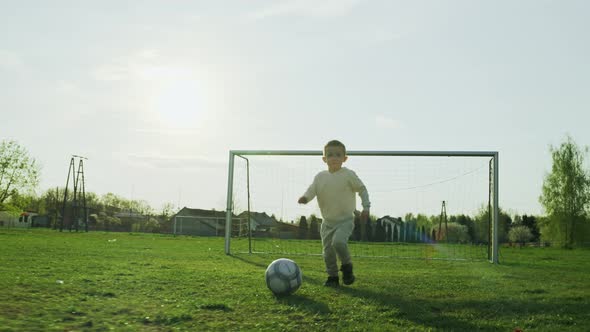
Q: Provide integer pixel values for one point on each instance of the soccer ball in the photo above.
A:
(283, 277)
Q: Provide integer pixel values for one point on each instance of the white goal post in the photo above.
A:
(494, 180)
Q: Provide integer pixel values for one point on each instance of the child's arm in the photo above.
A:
(359, 186)
(309, 194)
(364, 194)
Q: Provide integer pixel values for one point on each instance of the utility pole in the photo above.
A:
(56, 208)
(79, 197)
(443, 214)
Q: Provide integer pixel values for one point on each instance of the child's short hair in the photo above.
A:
(335, 143)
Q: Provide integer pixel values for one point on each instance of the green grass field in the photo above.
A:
(96, 281)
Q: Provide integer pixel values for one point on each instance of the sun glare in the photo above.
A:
(179, 103)
(176, 96)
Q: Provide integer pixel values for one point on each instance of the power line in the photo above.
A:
(433, 183)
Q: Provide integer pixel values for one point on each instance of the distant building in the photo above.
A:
(24, 220)
(261, 224)
(391, 228)
(287, 231)
(199, 222)
(41, 221)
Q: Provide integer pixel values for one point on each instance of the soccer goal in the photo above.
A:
(424, 204)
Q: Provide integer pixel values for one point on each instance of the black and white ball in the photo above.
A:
(283, 277)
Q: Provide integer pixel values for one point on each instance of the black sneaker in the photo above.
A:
(332, 282)
(347, 275)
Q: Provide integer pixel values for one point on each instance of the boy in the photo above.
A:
(335, 190)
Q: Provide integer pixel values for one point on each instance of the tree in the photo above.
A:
(520, 234)
(19, 203)
(113, 203)
(481, 226)
(168, 210)
(19, 173)
(314, 228)
(356, 233)
(466, 221)
(380, 234)
(531, 223)
(456, 233)
(369, 230)
(566, 194)
(140, 206)
(302, 228)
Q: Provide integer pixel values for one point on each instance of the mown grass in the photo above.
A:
(51, 281)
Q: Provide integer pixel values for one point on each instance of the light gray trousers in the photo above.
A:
(335, 244)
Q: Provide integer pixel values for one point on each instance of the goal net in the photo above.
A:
(429, 205)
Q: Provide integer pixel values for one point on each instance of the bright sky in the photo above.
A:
(155, 93)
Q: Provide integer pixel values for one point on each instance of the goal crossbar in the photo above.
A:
(366, 153)
(494, 180)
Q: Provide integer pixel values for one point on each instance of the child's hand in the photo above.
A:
(302, 200)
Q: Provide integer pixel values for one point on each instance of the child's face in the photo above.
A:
(334, 156)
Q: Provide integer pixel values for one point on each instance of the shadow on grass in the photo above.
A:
(249, 260)
(419, 311)
(305, 303)
(533, 308)
(482, 315)
(295, 300)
